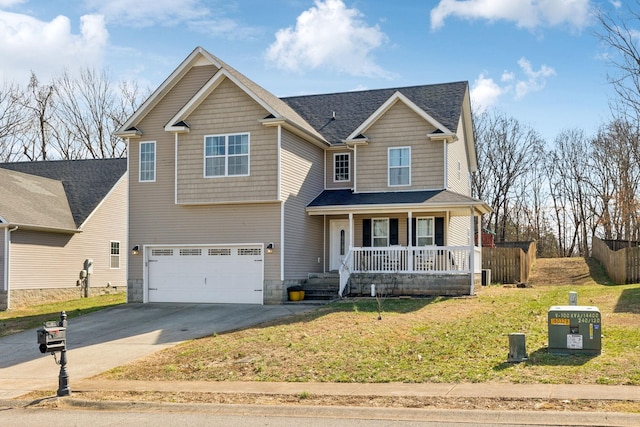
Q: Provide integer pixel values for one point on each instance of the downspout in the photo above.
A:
(7, 260)
(472, 257)
(279, 197)
(446, 164)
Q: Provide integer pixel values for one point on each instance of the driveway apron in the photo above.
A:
(99, 341)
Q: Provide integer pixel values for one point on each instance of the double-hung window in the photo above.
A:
(226, 155)
(424, 231)
(341, 167)
(399, 166)
(380, 232)
(114, 261)
(148, 161)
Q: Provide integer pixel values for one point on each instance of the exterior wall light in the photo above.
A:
(270, 247)
(135, 250)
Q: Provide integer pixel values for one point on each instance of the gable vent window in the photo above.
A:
(226, 155)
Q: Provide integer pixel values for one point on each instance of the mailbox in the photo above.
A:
(574, 329)
(52, 338)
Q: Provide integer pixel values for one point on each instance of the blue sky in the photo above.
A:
(536, 60)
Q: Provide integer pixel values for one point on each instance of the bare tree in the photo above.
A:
(40, 106)
(616, 180)
(569, 176)
(13, 119)
(92, 109)
(507, 151)
(619, 32)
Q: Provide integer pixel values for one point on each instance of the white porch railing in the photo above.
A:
(432, 259)
(416, 260)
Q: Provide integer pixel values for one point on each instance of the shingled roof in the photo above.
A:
(86, 182)
(337, 115)
(333, 198)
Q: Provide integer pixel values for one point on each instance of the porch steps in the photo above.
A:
(321, 287)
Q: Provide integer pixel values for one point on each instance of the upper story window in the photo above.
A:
(226, 155)
(399, 166)
(341, 167)
(380, 232)
(148, 161)
(424, 231)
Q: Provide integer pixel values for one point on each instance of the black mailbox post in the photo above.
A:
(52, 337)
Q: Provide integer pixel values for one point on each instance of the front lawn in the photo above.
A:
(21, 319)
(417, 340)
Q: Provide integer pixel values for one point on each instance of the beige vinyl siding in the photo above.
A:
(457, 155)
(42, 260)
(330, 164)
(400, 127)
(228, 110)
(302, 173)
(459, 227)
(205, 224)
(3, 241)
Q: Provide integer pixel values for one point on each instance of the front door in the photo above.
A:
(340, 242)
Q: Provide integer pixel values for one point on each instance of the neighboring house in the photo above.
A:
(53, 216)
(236, 194)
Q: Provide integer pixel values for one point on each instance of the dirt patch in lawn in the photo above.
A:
(565, 271)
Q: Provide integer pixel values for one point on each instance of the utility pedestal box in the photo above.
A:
(574, 329)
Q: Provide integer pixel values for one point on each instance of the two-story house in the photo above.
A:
(236, 194)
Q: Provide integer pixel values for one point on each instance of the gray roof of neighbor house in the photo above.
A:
(442, 101)
(86, 182)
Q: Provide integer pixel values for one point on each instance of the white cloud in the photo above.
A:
(525, 13)
(329, 35)
(536, 80)
(486, 93)
(4, 4)
(47, 48)
(145, 13)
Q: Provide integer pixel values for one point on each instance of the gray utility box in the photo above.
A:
(574, 329)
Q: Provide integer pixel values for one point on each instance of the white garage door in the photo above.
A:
(205, 274)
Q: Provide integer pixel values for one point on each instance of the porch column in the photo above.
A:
(350, 231)
(410, 243)
(472, 248)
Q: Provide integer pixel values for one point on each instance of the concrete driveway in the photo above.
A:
(105, 339)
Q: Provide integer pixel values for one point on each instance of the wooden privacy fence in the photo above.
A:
(620, 258)
(509, 262)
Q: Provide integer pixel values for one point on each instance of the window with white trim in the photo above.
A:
(380, 232)
(399, 166)
(148, 161)
(114, 261)
(425, 231)
(226, 155)
(341, 167)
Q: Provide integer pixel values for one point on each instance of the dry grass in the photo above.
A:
(419, 340)
(20, 319)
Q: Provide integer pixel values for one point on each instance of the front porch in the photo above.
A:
(418, 271)
(413, 242)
